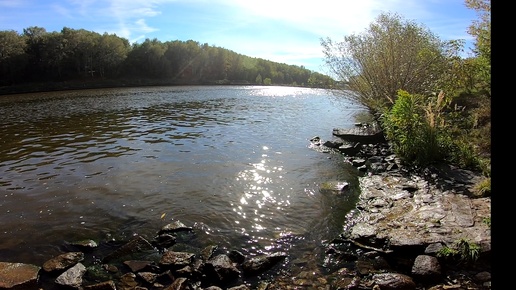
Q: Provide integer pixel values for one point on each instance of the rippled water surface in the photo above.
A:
(233, 162)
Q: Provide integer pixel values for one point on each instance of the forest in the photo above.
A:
(82, 56)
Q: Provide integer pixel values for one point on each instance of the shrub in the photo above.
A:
(413, 126)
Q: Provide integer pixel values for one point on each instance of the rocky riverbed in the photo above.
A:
(411, 229)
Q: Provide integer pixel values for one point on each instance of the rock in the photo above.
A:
(128, 281)
(179, 284)
(208, 251)
(164, 241)
(18, 276)
(236, 256)
(135, 245)
(393, 281)
(108, 285)
(63, 261)
(239, 287)
(176, 226)
(262, 263)
(334, 187)
(483, 276)
(370, 134)
(221, 268)
(85, 244)
(176, 260)
(148, 277)
(396, 211)
(426, 268)
(138, 265)
(72, 277)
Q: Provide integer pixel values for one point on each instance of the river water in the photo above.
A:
(233, 162)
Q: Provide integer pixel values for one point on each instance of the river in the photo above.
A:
(231, 161)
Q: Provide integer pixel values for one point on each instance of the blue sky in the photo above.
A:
(285, 31)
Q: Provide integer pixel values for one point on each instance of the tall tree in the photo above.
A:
(12, 56)
(392, 54)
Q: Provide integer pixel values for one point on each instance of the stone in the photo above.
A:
(72, 277)
(426, 268)
(18, 275)
(63, 261)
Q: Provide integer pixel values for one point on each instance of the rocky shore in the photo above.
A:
(411, 229)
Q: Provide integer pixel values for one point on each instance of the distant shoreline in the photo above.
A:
(39, 87)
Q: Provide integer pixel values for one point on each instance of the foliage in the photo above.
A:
(415, 126)
(70, 55)
(481, 28)
(392, 55)
(483, 188)
(462, 249)
(487, 221)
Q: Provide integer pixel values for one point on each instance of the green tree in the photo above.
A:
(392, 54)
(258, 79)
(481, 30)
(13, 59)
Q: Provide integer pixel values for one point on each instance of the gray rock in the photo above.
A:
(426, 268)
(369, 134)
(72, 277)
(416, 214)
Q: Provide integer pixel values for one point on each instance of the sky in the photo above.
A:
(284, 31)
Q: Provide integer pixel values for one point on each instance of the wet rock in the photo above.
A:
(148, 277)
(18, 276)
(72, 277)
(221, 268)
(128, 281)
(393, 281)
(84, 244)
(164, 240)
(136, 245)
(176, 260)
(176, 226)
(333, 143)
(107, 285)
(334, 187)
(179, 284)
(262, 263)
(63, 261)
(362, 134)
(138, 265)
(236, 256)
(208, 251)
(239, 287)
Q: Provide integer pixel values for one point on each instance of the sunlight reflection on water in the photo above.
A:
(233, 160)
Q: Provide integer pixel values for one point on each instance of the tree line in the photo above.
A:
(37, 55)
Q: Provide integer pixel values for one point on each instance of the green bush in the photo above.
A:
(413, 126)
